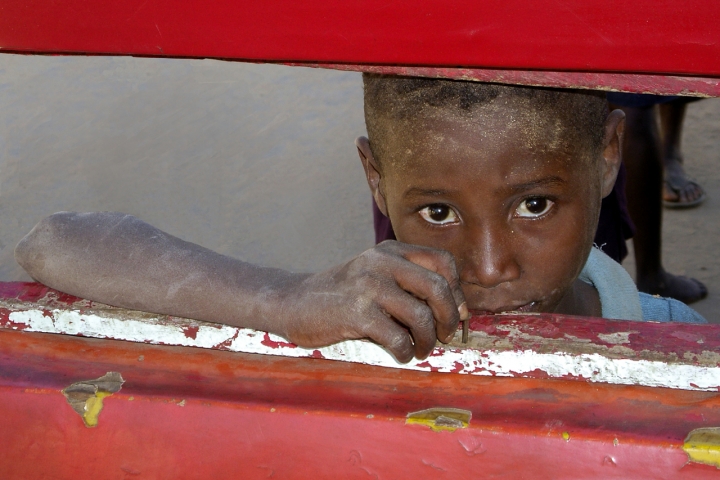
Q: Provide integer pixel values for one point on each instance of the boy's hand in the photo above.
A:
(401, 296)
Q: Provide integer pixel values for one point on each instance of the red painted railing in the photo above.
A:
(650, 43)
(206, 413)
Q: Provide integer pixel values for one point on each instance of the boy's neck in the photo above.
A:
(582, 299)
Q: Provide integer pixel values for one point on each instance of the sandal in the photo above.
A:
(674, 186)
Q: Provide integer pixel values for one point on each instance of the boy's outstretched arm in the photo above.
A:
(401, 296)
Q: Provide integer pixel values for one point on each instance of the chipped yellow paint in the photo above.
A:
(566, 436)
(440, 418)
(86, 397)
(702, 445)
(93, 407)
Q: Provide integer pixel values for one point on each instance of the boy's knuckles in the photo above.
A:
(390, 247)
(446, 259)
(390, 336)
(422, 318)
(363, 306)
(439, 288)
(455, 284)
(400, 345)
(381, 251)
(439, 259)
(372, 285)
(370, 261)
(368, 325)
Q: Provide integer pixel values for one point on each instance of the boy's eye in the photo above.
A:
(439, 214)
(534, 207)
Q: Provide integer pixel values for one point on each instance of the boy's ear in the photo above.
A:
(372, 172)
(612, 150)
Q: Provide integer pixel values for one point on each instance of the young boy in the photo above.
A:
(493, 191)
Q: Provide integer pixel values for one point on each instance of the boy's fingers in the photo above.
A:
(432, 277)
(416, 316)
(435, 291)
(440, 262)
(389, 334)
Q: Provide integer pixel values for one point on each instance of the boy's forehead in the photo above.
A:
(492, 128)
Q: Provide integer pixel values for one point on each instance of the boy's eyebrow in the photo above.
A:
(542, 182)
(517, 188)
(423, 192)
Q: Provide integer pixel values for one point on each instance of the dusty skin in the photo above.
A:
(206, 150)
(120, 260)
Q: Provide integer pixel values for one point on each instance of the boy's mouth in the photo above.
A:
(526, 308)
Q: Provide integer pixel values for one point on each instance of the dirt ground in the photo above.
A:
(255, 161)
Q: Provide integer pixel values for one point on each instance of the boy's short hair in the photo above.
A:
(392, 99)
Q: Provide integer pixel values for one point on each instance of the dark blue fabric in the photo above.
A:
(638, 100)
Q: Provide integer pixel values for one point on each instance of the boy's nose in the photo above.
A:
(491, 259)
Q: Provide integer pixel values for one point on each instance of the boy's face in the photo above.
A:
(515, 205)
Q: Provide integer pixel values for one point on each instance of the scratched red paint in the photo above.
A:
(677, 338)
(13, 325)
(542, 374)
(27, 291)
(689, 337)
(268, 342)
(66, 298)
(191, 332)
(227, 343)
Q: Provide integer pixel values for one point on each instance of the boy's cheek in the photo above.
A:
(411, 230)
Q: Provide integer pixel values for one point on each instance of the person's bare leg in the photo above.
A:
(678, 190)
(643, 160)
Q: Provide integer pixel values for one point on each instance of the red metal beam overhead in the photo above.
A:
(666, 37)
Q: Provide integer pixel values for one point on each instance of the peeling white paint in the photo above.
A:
(72, 322)
(617, 338)
(592, 367)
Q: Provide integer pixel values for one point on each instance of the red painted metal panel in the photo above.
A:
(683, 356)
(644, 36)
(191, 413)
